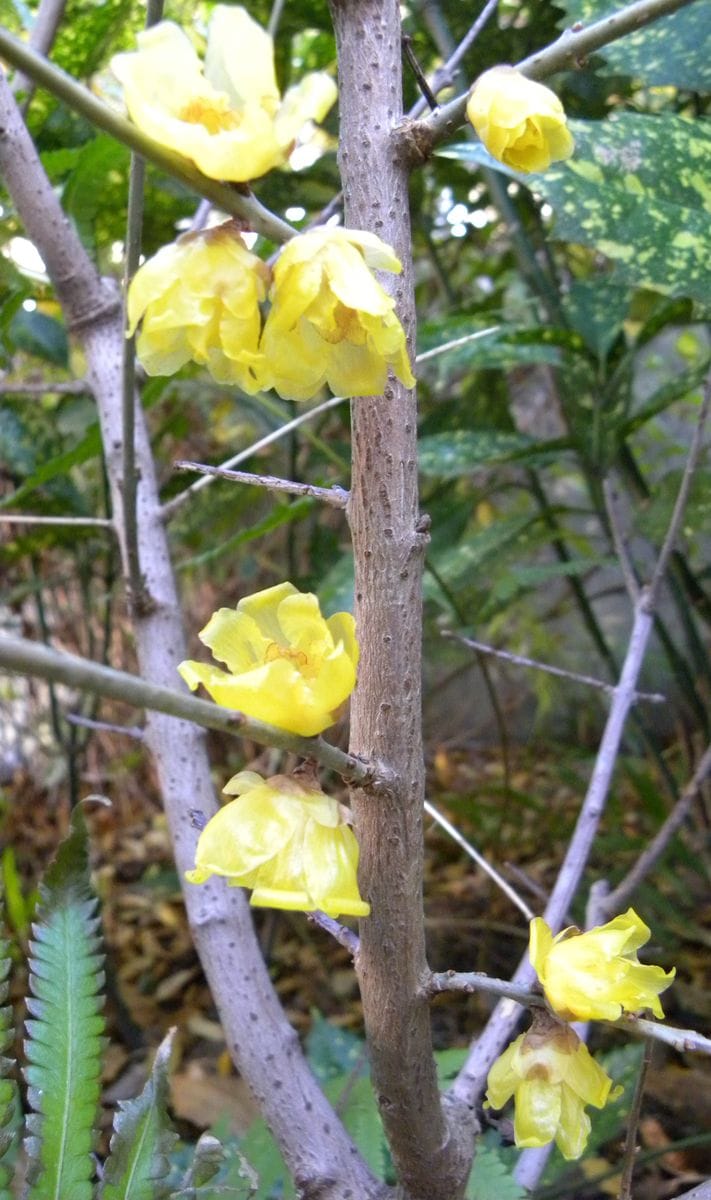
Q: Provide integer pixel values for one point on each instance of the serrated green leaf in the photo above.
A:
(491, 1177)
(448, 455)
(8, 1089)
(673, 50)
(638, 190)
(137, 1165)
(262, 1152)
(355, 1103)
(65, 1030)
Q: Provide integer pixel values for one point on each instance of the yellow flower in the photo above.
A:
(288, 666)
(597, 975)
(331, 321)
(551, 1076)
(199, 300)
(522, 123)
(286, 841)
(231, 120)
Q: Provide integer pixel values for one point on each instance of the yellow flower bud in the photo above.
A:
(331, 322)
(552, 1077)
(230, 120)
(287, 664)
(597, 975)
(198, 300)
(285, 840)
(521, 123)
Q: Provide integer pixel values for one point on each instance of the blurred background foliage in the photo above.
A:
(593, 283)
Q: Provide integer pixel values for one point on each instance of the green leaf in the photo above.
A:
(38, 334)
(332, 1052)
(447, 455)
(596, 308)
(354, 1100)
(57, 467)
(472, 553)
(492, 1176)
(637, 191)
(8, 1090)
(65, 1027)
(143, 1137)
(673, 50)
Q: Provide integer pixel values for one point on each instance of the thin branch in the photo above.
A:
(235, 200)
(31, 519)
(335, 495)
(472, 1078)
(75, 387)
(521, 661)
(172, 506)
(344, 936)
(33, 658)
(630, 1151)
(42, 35)
(677, 517)
(136, 732)
(567, 52)
(619, 540)
(616, 900)
(479, 859)
(444, 75)
(275, 17)
(468, 982)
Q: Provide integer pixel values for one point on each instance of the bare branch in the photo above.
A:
(571, 48)
(475, 981)
(630, 1151)
(34, 658)
(42, 35)
(177, 502)
(342, 934)
(521, 661)
(445, 74)
(74, 387)
(619, 540)
(76, 522)
(335, 495)
(471, 1080)
(479, 859)
(616, 900)
(431, 1146)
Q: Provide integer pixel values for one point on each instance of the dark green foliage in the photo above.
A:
(672, 51)
(65, 1027)
(137, 1166)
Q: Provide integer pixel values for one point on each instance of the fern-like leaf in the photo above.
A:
(137, 1166)
(65, 1028)
(7, 1086)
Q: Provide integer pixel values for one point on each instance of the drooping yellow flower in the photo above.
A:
(521, 122)
(198, 300)
(230, 120)
(597, 975)
(552, 1077)
(287, 664)
(285, 840)
(331, 321)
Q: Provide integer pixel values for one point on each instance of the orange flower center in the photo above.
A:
(297, 657)
(215, 115)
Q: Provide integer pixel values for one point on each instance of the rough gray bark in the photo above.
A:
(431, 1149)
(323, 1160)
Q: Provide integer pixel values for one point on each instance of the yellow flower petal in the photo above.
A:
(521, 122)
(285, 665)
(286, 841)
(551, 1076)
(596, 975)
(198, 301)
(331, 321)
(230, 121)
